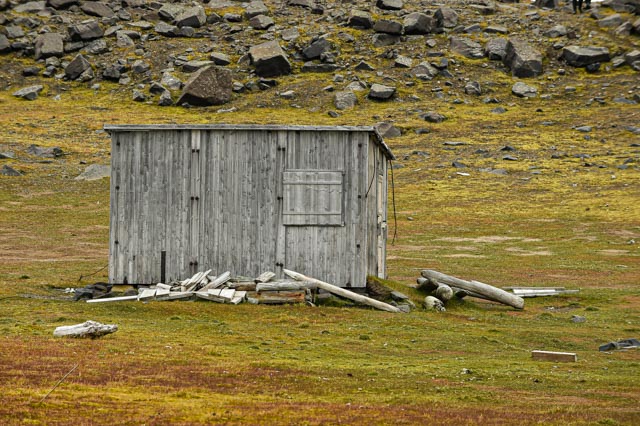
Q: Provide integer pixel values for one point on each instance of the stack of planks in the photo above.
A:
(444, 287)
(223, 289)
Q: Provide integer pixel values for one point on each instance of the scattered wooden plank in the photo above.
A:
(113, 299)
(554, 356)
(163, 286)
(239, 297)
(161, 292)
(91, 329)
(343, 292)
(486, 290)
(243, 285)
(147, 293)
(227, 294)
(284, 285)
(221, 279)
(176, 295)
(207, 296)
(265, 277)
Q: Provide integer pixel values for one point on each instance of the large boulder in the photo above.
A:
(87, 30)
(466, 47)
(390, 4)
(61, 4)
(315, 49)
(170, 11)
(360, 19)
(496, 49)
(96, 8)
(547, 4)
(29, 93)
(446, 17)
(269, 59)
(209, 86)
(5, 44)
(388, 27)
(76, 67)
(255, 8)
(610, 21)
(419, 23)
(380, 92)
(345, 100)
(193, 17)
(522, 59)
(49, 44)
(578, 56)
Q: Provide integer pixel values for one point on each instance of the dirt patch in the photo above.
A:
(613, 252)
(522, 252)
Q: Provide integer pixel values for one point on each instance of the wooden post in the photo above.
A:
(343, 292)
(490, 292)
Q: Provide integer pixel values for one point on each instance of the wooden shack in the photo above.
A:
(247, 199)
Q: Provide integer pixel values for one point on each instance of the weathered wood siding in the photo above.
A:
(247, 201)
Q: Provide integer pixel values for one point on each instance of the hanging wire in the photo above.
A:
(93, 273)
(370, 183)
(393, 198)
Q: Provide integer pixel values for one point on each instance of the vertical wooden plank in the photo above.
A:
(194, 197)
(114, 204)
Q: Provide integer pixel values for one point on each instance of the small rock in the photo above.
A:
(578, 319)
(524, 90)
(381, 92)
(9, 171)
(95, 172)
(29, 93)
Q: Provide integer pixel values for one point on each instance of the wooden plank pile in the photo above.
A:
(223, 289)
(444, 287)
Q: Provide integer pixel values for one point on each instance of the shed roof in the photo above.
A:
(144, 127)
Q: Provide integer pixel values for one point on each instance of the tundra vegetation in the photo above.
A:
(543, 192)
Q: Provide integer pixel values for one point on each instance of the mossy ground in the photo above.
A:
(570, 221)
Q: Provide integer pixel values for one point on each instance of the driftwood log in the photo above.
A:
(343, 292)
(485, 290)
(88, 329)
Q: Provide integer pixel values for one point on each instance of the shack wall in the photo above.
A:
(187, 199)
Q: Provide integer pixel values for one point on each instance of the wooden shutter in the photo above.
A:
(313, 197)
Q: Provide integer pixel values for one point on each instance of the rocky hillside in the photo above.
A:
(200, 54)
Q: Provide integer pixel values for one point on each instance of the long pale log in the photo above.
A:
(90, 329)
(283, 285)
(486, 290)
(343, 292)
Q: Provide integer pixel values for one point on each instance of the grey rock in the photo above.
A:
(315, 49)
(255, 8)
(95, 172)
(7, 155)
(139, 96)
(5, 44)
(496, 29)
(364, 66)
(140, 67)
(193, 17)
(219, 58)
(610, 21)
(14, 31)
(632, 56)
(209, 86)
(166, 99)
(419, 23)
(556, 31)
(473, 88)
(380, 92)
(425, 71)
(96, 8)
(290, 34)
(157, 88)
(97, 47)
(403, 62)
(123, 39)
(29, 93)
(170, 81)
(30, 7)
(88, 30)
(170, 11)
(49, 44)
(578, 56)
(360, 19)
(261, 22)
(9, 171)
(390, 4)
(382, 39)
(193, 66)
(624, 29)
(269, 59)
(345, 100)
(446, 17)
(523, 90)
(307, 4)
(522, 59)
(433, 117)
(49, 152)
(76, 67)
(584, 129)
(387, 130)
(311, 66)
(388, 27)
(547, 4)
(166, 30)
(61, 4)
(466, 47)
(578, 319)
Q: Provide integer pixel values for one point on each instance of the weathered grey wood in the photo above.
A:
(147, 293)
(238, 297)
(214, 195)
(343, 292)
(490, 292)
(284, 285)
(220, 279)
(277, 297)
(265, 277)
(163, 286)
(90, 329)
(444, 292)
(554, 356)
(113, 299)
(427, 285)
